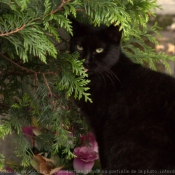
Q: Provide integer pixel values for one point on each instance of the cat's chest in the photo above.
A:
(102, 98)
(100, 102)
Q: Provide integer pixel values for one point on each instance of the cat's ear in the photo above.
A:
(77, 27)
(114, 33)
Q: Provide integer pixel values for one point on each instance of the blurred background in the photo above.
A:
(166, 20)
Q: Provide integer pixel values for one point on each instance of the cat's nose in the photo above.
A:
(86, 64)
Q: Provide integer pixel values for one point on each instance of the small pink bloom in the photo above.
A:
(28, 130)
(64, 172)
(90, 141)
(9, 170)
(85, 159)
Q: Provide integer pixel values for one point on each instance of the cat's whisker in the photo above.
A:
(99, 71)
(104, 72)
(114, 75)
(111, 75)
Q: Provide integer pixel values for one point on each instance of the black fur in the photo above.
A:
(133, 109)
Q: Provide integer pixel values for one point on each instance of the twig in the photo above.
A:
(60, 6)
(33, 72)
(46, 82)
(17, 65)
(28, 70)
(12, 73)
(149, 14)
(14, 31)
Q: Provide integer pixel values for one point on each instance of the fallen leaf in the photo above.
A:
(44, 168)
(39, 158)
(37, 132)
(44, 165)
(35, 164)
(53, 171)
(35, 122)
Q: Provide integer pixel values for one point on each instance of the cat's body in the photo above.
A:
(133, 109)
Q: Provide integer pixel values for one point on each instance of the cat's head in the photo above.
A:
(98, 46)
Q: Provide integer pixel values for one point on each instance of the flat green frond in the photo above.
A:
(23, 4)
(73, 78)
(23, 150)
(47, 5)
(63, 22)
(5, 129)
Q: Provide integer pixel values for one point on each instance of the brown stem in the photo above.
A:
(17, 65)
(14, 31)
(47, 84)
(33, 72)
(28, 70)
(149, 14)
(60, 6)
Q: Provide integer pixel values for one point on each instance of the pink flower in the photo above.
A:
(28, 130)
(9, 170)
(64, 172)
(85, 159)
(86, 154)
(31, 131)
(90, 141)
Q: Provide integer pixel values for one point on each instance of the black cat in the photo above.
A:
(133, 109)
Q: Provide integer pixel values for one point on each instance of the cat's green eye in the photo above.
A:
(79, 47)
(99, 50)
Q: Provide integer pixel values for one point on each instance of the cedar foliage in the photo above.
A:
(38, 76)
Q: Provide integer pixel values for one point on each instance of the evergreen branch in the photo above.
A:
(29, 70)
(14, 31)
(33, 72)
(11, 73)
(17, 65)
(47, 84)
(60, 6)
